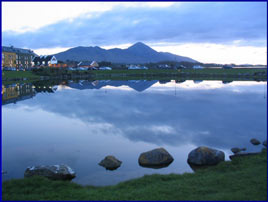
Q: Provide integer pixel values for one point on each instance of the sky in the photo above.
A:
(209, 32)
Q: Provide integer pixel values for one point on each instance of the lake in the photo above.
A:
(78, 123)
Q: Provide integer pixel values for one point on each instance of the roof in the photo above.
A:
(17, 50)
(85, 63)
(42, 58)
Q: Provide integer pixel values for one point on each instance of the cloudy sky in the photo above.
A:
(220, 32)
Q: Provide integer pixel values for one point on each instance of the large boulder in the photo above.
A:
(204, 156)
(110, 163)
(156, 158)
(55, 172)
(255, 141)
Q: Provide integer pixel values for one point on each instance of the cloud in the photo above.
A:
(241, 23)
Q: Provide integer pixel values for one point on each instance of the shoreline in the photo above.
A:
(152, 74)
(240, 179)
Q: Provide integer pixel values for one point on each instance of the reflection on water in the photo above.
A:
(16, 92)
(78, 123)
(156, 166)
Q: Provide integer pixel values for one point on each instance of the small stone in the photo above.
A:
(255, 141)
(242, 154)
(236, 150)
(110, 163)
(265, 143)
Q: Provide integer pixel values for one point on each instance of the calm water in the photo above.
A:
(79, 123)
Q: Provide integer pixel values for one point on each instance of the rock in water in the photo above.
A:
(157, 158)
(203, 156)
(55, 172)
(236, 150)
(265, 143)
(255, 141)
(110, 163)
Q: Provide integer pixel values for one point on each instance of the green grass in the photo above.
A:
(194, 74)
(194, 71)
(6, 75)
(241, 179)
(151, 74)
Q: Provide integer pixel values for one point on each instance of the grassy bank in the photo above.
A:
(19, 75)
(192, 71)
(241, 179)
(189, 74)
(151, 74)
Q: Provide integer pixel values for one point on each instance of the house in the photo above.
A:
(94, 64)
(181, 67)
(17, 57)
(137, 67)
(45, 60)
(133, 67)
(227, 67)
(59, 65)
(8, 58)
(84, 64)
(164, 66)
(105, 68)
(198, 67)
(88, 64)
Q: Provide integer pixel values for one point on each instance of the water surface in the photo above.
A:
(79, 123)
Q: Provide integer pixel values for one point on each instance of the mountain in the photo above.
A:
(137, 53)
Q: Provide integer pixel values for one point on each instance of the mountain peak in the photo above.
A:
(138, 45)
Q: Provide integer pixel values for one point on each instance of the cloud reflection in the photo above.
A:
(216, 117)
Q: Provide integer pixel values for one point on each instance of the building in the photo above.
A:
(227, 66)
(137, 67)
(8, 59)
(84, 64)
(94, 64)
(17, 92)
(59, 65)
(198, 67)
(17, 57)
(44, 61)
(88, 64)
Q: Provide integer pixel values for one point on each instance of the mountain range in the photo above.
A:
(138, 53)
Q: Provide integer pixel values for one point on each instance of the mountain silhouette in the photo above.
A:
(137, 53)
